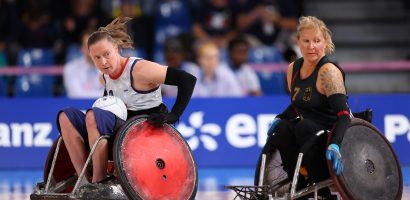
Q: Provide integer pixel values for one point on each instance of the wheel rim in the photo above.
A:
(154, 163)
(372, 170)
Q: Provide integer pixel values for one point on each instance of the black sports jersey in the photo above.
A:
(305, 97)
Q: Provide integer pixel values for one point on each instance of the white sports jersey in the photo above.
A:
(122, 87)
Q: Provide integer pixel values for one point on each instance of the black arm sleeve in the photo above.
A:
(185, 83)
(338, 102)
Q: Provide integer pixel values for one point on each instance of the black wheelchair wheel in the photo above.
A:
(154, 163)
(274, 175)
(371, 168)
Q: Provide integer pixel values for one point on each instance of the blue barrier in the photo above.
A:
(221, 132)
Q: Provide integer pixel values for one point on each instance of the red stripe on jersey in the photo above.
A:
(122, 70)
(343, 112)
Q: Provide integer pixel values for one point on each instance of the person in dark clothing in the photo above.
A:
(318, 98)
(265, 21)
(214, 21)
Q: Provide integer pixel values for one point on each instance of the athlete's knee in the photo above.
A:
(64, 123)
(305, 129)
(63, 118)
(90, 119)
(284, 135)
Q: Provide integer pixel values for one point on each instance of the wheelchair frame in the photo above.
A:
(262, 191)
(345, 190)
(52, 190)
(72, 187)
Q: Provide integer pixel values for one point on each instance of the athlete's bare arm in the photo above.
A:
(148, 75)
(289, 75)
(330, 80)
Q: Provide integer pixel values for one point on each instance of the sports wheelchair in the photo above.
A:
(147, 163)
(371, 170)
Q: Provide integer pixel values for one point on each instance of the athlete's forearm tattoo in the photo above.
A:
(332, 81)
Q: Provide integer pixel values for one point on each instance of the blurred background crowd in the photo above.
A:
(221, 42)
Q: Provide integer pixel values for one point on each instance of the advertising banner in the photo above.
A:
(222, 132)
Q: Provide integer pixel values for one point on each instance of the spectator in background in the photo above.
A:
(214, 21)
(264, 21)
(81, 15)
(142, 39)
(8, 19)
(406, 5)
(9, 22)
(174, 54)
(215, 79)
(37, 29)
(81, 76)
(238, 49)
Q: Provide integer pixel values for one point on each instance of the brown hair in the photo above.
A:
(307, 22)
(115, 32)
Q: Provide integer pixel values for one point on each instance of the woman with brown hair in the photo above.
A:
(135, 81)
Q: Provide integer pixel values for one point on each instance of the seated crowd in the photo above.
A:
(206, 38)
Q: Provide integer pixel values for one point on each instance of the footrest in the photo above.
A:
(250, 192)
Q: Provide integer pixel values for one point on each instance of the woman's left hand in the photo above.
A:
(333, 154)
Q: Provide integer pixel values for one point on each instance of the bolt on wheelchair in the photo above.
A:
(371, 170)
(147, 163)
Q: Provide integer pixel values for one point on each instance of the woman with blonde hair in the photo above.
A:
(215, 78)
(318, 97)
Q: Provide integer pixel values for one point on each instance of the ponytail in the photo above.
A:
(116, 32)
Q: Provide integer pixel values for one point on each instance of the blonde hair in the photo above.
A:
(311, 22)
(203, 46)
(115, 32)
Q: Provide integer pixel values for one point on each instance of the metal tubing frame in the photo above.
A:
(50, 174)
(262, 170)
(293, 194)
(82, 174)
(313, 188)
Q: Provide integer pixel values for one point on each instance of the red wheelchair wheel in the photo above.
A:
(154, 163)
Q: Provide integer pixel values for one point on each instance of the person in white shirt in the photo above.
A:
(174, 54)
(215, 78)
(238, 49)
(81, 76)
(133, 80)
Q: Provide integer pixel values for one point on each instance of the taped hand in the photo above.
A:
(333, 154)
(273, 127)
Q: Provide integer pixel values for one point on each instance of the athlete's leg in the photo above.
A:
(100, 156)
(314, 159)
(73, 142)
(285, 141)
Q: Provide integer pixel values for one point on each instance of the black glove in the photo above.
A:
(157, 119)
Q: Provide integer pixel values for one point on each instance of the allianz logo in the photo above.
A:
(25, 134)
(241, 130)
(396, 125)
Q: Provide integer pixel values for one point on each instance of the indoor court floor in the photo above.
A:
(18, 184)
